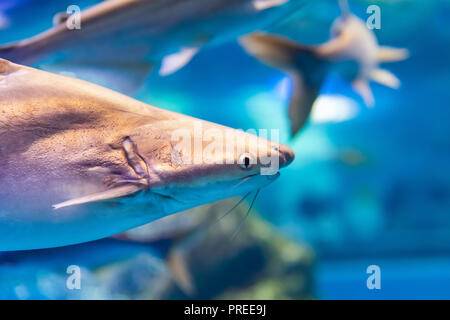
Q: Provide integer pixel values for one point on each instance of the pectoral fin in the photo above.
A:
(174, 62)
(362, 87)
(275, 51)
(389, 54)
(345, 10)
(177, 264)
(385, 77)
(266, 4)
(111, 194)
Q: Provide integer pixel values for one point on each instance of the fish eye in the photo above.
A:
(246, 161)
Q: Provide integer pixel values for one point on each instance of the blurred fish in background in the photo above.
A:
(352, 51)
(367, 187)
(123, 40)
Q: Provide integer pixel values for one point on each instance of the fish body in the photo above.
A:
(80, 162)
(130, 37)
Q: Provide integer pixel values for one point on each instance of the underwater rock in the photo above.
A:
(108, 269)
(256, 264)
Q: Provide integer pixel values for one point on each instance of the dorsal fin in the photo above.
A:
(345, 9)
(6, 67)
(60, 18)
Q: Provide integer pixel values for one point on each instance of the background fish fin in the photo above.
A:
(345, 9)
(385, 77)
(266, 4)
(114, 193)
(306, 67)
(301, 102)
(175, 61)
(180, 272)
(362, 87)
(389, 54)
(273, 50)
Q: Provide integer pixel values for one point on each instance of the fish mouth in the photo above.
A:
(201, 195)
(271, 178)
(286, 155)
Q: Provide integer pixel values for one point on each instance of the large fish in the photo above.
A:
(80, 162)
(130, 37)
(352, 51)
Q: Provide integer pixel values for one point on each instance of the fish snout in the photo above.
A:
(286, 155)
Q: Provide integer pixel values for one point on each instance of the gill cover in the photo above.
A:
(122, 188)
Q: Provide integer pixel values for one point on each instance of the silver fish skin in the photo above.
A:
(80, 162)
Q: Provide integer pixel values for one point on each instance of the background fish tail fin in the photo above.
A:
(345, 9)
(302, 99)
(272, 50)
(305, 64)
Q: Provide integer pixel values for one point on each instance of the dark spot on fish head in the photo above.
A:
(5, 66)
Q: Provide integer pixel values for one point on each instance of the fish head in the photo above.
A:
(353, 47)
(192, 162)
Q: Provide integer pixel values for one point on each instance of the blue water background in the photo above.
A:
(374, 189)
